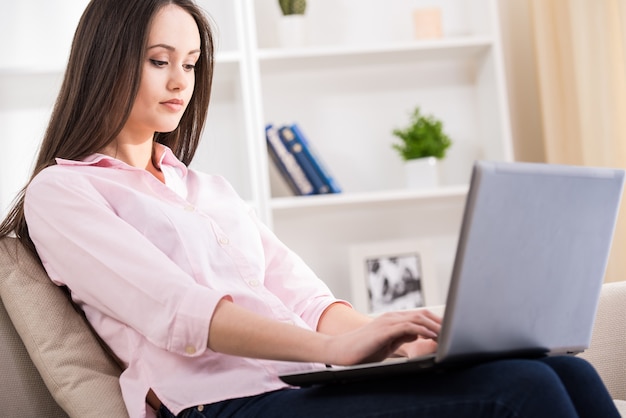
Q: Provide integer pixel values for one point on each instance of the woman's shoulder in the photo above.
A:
(73, 176)
(50, 174)
(55, 174)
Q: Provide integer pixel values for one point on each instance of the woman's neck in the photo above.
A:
(135, 154)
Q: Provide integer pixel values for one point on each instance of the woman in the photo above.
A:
(200, 301)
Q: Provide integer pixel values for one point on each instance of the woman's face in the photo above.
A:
(168, 75)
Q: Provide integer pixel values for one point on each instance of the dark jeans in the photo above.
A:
(554, 387)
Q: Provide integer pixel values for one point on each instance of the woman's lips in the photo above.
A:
(174, 105)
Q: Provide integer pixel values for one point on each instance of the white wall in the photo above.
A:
(37, 36)
(40, 32)
(370, 21)
(25, 105)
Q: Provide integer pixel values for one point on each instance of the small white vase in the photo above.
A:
(422, 173)
(292, 31)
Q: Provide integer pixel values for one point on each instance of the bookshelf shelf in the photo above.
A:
(345, 201)
(314, 58)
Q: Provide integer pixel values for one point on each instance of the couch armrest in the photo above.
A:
(607, 351)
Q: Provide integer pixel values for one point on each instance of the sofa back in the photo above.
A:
(23, 394)
(607, 351)
(50, 359)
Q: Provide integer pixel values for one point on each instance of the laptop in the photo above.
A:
(529, 267)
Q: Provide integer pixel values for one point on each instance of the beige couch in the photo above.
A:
(52, 366)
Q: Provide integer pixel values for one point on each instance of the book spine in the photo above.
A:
(287, 164)
(295, 147)
(317, 162)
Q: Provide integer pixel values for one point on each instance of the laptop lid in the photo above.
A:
(531, 259)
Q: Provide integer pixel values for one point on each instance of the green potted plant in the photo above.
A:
(422, 143)
(292, 7)
(291, 24)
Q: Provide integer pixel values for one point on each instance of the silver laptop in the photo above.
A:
(530, 263)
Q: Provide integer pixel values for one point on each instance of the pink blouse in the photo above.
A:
(148, 263)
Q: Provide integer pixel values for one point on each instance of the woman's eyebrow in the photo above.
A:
(171, 48)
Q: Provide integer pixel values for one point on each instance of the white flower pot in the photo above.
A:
(292, 31)
(422, 173)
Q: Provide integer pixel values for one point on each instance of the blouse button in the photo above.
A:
(190, 349)
(254, 283)
(223, 240)
(190, 208)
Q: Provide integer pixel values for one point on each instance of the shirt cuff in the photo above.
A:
(190, 329)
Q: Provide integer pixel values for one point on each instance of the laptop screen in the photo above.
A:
(531, 258)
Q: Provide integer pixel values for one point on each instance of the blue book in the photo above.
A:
(295, 147)
(287, 164)
(317, 162)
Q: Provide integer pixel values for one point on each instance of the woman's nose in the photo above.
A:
(178, 79)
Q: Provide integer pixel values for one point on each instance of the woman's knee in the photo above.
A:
(573, 370)
(584, 385)
(531, 388)
(572, 364)
(522, 371)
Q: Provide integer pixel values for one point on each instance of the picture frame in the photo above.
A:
(392, 275)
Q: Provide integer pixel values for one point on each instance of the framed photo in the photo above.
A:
(392, 275)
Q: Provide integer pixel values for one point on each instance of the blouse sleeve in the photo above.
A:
(111, 267)
(293, 281)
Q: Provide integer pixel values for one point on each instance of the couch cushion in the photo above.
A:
(80, 375)
(621, 407)
(607, 351)
(23, 393)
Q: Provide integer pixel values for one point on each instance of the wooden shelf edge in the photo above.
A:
(296, 203)
(269, 54)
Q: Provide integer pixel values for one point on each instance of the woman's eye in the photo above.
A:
(189, 67)
(158, 63)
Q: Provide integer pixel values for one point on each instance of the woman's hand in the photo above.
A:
(421, 346)
(417, 348)
(408, 333)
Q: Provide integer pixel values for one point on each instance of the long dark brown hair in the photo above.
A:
(100, 86)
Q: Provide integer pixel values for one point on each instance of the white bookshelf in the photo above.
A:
(357, 77)
(349, 91)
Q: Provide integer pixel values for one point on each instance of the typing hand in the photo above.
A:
(407, 333)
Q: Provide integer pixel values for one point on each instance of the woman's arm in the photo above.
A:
(237, 331)
(340, 318)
